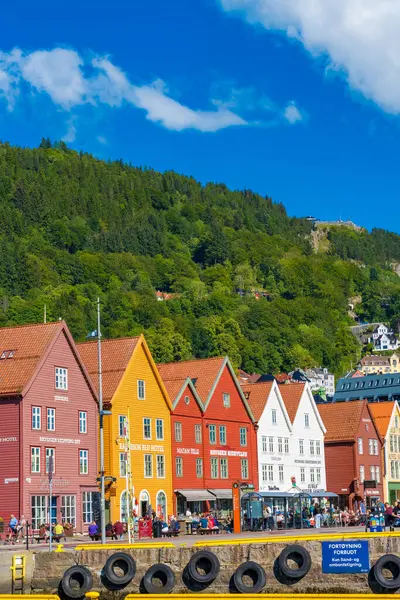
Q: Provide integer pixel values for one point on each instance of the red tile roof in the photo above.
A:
(29, 344)
(341, 419)
(381, 412)
(204, 371)
(291, 394)
(173, 387)
(247, 377)
(115, 354)
(257, 395)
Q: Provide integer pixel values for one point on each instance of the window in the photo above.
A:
(179, 466)
(147, 429)
(392, 470)
(273, 416)
(160, 466)
(270, 472)
(36, 417)
(286, 445)
(360, 446)
(199, 467)
(222, 435)
(392, 443)
(87, 506)
(302, 475)
(243, 436)
(371, 446)
(197, 433)
(121, 425)
(212, 432)
(61, 378)
(318, 447)
(280, 473)
(224, 468)
(39, 511)
(372, 472)
(35, 460)
(264, 443)
(376, 447)
(226, 400)
(83, 462)
(362, 474)
(122, 464)
(396, 419)
(312, 475)
(318, 475)
(187, 400)
(50, 452)
(68, 509)
(378, 474)
(51, 419)
(280, 446)
(245, 468)
(82, 421)
(396, 466)
(141, 389)
(214, 468)
(160, 429)
(264, 472)
(312, 451)
(306, 420)
(301, 446)
(271, 444)
(148, 465)
(178, 431)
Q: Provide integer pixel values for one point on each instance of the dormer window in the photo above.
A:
(7, 354)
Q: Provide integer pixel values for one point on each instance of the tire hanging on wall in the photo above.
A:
(253, 571)
(76, 582)
(300, 556)
(391, 563)
(208, 562)
(125, 563)
(164, 574)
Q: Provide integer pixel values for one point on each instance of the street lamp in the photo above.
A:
(101, 415)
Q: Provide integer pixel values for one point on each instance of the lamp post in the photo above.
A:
(101, 416)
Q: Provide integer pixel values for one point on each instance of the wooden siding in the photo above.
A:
(67, 480)
(10, 444)
(340, 469)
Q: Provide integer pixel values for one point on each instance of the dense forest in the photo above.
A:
(73, 228)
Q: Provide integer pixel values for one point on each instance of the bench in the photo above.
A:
(170, 533)
(96, 537)
(206, 531)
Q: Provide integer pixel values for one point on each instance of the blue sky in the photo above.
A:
(297, 99)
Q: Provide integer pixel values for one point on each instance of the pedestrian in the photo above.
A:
(93, 530)
(388, 516)
(119, 530)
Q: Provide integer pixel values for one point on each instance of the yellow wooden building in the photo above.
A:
(140, 418)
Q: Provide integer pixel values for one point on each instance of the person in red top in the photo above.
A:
(388, 516)
(119, 529)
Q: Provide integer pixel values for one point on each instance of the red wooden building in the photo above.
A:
(353, 452)
(47, 408)
(213, 437)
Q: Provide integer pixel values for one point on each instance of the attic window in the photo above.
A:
(7, 354)
(194, 381)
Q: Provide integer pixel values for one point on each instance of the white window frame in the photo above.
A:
(281, 474)
(371, 446)
(148, 466)
(226, 400)
(178, 431)
(123, 464)
(87, 507)
(83, 461)
(223, 468)
(312, 448)
(271, 444)
(61, 378)
(35, 459)
(51, 419)
(50, 452)
(302, 475)
(243, 436)
(244, 467)
(39, 513)
(214, 468)
(287, 447)
(271, 473)
(376, 451)
(198, 436)
(318, 472)
(147, 428)
(199, 467)
(222, 438)
(378, 474)
(179, 466)
(83, 421)
(318, 447)
(68, 509)
(160, 429)
(307, 420)
(301, 447)
(362, 473)
(36, 418)
(121, 425)
(360, 445)
(280, 445)
(141, 389)
(274, 417)
(160, 464)
(312, 475)
(213, 435)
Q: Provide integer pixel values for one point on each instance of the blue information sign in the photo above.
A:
(345, 557)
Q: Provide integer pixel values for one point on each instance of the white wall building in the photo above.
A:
(321, 378)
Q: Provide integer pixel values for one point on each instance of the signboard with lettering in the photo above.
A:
(345, 557)
(228, 453)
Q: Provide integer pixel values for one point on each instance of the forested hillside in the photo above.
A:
(73, 227)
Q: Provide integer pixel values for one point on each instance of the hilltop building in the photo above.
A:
(383, 338)
(371, 364)
(370, 387)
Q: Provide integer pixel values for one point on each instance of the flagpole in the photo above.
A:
(101, 415)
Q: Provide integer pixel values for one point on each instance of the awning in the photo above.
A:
(222, 494)
(195, 495)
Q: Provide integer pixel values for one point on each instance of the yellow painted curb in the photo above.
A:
(138, 546)
(268, 596)
(36, 596)
(288, 539)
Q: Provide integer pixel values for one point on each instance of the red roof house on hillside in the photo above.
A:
(353, 452)
(48, 409)
(208, 393)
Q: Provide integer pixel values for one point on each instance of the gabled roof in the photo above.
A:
(372, 359)
(381, 413)
(342, 420)
(258, 394)
(25, 349)
(205, 374)
(176, 387)
(291, 395)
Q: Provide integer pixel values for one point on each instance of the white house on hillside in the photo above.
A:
(307, 454)
(384, 338)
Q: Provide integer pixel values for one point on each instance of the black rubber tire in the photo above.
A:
(76, 582)
(300, 555)
(166, 576)
(255, 572)
(125, 562)
(208, 561)
(392, 563)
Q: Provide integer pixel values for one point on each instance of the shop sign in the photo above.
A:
(312, 490)
(144, 447)
(273, 488)
(53, 440)
(276, 458)
(228, 453)
(187, 451)
(344, 490)
(8, 439)
(61, 398)
(345, 557)
(11, 480)
(57, 483)
(307, 462)
(370, 492)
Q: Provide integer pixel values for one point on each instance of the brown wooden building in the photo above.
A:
(353, 453)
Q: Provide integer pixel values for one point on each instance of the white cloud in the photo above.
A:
(101, 139)
(70, 136)
(9, 77)
(360, 37)
(292, 114)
